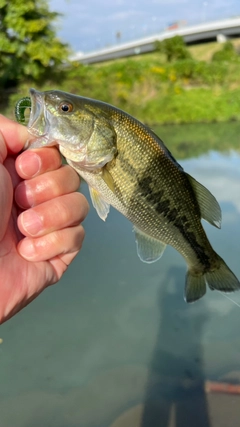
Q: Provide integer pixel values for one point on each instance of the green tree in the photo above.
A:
(174, 48)
(29, 47)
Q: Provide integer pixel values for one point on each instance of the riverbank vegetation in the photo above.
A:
(174, 84)
(160, 91)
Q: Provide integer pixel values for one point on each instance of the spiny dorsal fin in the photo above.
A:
(148, 249)
(99, 203)
(209, 207)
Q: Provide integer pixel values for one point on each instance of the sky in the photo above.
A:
(88, 25)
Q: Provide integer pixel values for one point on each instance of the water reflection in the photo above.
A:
(175, 388)
(193, 140)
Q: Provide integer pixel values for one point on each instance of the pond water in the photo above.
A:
(114, 344)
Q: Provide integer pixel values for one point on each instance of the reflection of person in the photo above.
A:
(176, 380)
(41, 215)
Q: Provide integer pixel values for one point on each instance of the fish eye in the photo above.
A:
(66, 107)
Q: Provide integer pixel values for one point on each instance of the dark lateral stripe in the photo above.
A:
(191, 238)
(162, 206)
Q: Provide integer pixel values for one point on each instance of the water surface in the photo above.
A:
(115, 339)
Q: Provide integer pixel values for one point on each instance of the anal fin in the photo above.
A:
(148, 249)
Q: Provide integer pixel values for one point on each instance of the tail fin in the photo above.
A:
(221, 279)
(195, 287)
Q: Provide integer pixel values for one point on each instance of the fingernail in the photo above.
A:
(30, 164)
(31, 222)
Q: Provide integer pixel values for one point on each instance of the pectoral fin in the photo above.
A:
(209, 207)
(99, 203)
(107, 178)
(148, 249)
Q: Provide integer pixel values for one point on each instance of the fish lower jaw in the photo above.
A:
(39, 142)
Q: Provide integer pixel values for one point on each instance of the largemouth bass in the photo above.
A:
(127, 166)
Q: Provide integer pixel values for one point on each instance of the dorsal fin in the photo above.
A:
(209, 207)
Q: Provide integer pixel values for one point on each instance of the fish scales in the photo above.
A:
(148, 201)
(127, 166)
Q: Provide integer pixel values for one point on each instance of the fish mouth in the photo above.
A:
(38, 124)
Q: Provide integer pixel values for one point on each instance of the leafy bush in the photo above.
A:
(227, 53)
(174, 48)
(199, 72)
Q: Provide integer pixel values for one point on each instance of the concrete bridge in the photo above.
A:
(208, 31)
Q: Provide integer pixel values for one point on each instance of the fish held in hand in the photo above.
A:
(127, 166)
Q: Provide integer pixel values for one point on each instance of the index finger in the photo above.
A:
(14, 137)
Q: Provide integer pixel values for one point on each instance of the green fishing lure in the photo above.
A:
(20, 109)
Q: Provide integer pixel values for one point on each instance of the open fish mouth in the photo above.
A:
(43, 126)
(38, 124)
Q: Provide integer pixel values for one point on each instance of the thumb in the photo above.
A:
(6, 197)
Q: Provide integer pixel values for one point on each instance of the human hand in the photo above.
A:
(41, 215)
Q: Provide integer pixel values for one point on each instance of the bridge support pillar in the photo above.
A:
(221, 38)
